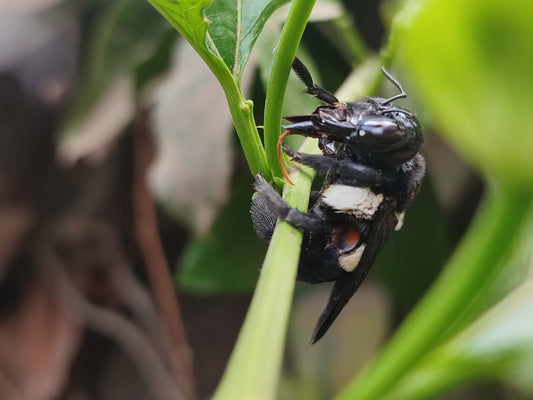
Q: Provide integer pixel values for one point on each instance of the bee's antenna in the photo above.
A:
(397, 84)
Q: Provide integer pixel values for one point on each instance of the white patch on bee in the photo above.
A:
(358, 201)
(349, 261)
(399, 217)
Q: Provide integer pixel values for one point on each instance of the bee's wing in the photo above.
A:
(347, 285)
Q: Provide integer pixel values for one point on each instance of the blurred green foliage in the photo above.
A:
(471, 62)
(223, 260)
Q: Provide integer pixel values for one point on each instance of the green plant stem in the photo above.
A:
(242, 113)
(441, 372)
(291, 35)
(243, 118)
(472, 268)
(255, 364)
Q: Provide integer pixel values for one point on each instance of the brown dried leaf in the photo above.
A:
(37, 345)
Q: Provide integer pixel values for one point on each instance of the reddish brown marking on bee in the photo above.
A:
(345, 239)
(280, 141)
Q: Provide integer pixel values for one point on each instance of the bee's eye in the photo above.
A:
(379, 133)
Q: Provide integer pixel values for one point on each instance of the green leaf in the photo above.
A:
(188, 19)
(236, 24)
(227, 260)
(223, 29)
(472, 62)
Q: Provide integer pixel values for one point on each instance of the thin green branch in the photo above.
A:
(441, 372)
(472, 268)
(255, 364)
(291, 35)
(243, 119)
(243, 116)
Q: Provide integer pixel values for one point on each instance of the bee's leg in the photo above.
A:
(263, 218)
(348, 172)
(313, 197)
(327, 146)
(312, 88)
(267, 205)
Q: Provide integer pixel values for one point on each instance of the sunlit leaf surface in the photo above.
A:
(236, 26)
(472, 62)
(223, 29)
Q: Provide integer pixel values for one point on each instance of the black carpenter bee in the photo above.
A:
(372, 172)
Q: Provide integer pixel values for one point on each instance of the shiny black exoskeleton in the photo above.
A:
(372, 173)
